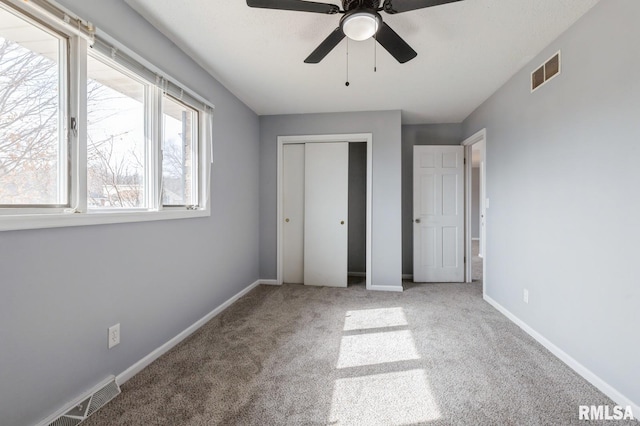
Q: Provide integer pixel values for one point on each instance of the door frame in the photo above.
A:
(350, 137)
(480, 136)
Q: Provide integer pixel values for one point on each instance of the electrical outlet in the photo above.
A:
(525, 296)
(114, 335)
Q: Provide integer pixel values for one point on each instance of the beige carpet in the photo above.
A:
(436, 354)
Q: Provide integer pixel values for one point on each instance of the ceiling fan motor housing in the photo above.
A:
(348, 5)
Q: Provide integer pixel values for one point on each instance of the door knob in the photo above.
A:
(286, 220)
(417, 220)
(342, 222)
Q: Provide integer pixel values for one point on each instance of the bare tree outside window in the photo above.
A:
(180, 124)
(115, 138)
(30, 144)
(34, 144)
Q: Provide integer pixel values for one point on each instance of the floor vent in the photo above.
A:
(65, 421)
(545, 72)
(88, 405)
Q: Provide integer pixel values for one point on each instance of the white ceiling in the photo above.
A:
(466, 51)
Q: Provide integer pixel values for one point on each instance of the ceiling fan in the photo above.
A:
(361, 21)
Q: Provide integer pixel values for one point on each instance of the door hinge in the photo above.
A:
(465, 161)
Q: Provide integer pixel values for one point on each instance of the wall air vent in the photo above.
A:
(87, 405)
(546, 72)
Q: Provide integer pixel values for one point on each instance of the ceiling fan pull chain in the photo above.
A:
(347, 83)
(375, 57)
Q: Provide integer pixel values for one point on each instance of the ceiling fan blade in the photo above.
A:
(325, 47)
(399, 6)
(395, 45)
(297, 5)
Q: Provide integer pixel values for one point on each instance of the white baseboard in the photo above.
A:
(396, 288)
(407, 276)
(357, 274)
(583, 371)
(144, 362)
(269, 282)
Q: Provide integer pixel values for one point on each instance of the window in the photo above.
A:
(116, 151)
(33, 147)
(134, 147)
(179, 153)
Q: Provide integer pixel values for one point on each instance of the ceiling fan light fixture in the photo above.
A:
(360, 26)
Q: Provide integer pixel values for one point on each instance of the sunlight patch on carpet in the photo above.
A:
(376, 348)
(399, 398)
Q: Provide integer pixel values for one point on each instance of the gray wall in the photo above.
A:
(357, 207)
(421, 134)
(475, 202)
(60, 289)
(563, 179)
(386, 129)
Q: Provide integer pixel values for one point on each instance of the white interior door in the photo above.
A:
(293, 213)
(326, 207)
(438, 213)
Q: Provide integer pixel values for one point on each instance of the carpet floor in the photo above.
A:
(436, 354)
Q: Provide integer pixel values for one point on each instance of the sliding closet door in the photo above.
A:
(293, 209)
(326, 209)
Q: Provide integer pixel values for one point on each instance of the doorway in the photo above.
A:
(357, 238)
(477, 211)
(310, 141)
(476, 208)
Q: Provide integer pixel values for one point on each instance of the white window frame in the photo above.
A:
(77, 214)
(195, 159)
(150, 133)
(63, 175)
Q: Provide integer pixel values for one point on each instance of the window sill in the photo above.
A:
(59, 220)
